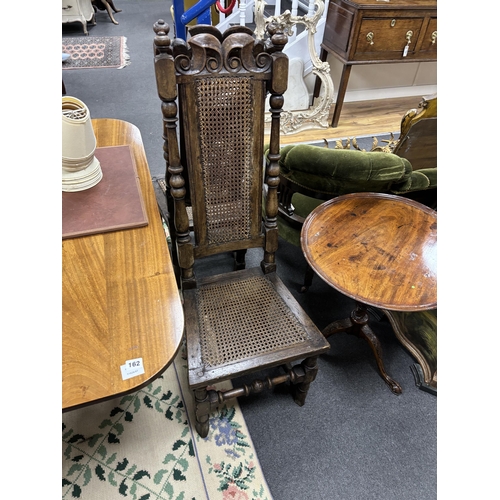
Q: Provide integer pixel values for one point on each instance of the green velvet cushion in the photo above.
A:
(341, 171)
(431, 174)
(288, 233)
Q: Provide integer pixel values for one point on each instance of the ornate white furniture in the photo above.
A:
(80, 11)
(316, 116)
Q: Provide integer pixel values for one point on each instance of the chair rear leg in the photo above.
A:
(113, 7)
(239, 259)
(310, 368)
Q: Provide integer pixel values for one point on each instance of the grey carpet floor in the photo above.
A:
(353, 439)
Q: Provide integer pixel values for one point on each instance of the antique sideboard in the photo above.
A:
(375, 32)
(81, 11)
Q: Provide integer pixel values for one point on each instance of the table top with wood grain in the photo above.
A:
(378, 249)
(120, 300)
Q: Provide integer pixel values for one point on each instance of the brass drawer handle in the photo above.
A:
(369, 38)
(409, 34)
(434, 37)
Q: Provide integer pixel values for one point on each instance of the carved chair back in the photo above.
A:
(215, 86)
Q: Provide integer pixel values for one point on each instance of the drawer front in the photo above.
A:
(429, 39)
(339, 22)
(386, 38)
(80, 9)
(70, 8)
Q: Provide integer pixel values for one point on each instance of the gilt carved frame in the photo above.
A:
(317, 114)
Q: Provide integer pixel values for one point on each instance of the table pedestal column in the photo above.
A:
(357, 324)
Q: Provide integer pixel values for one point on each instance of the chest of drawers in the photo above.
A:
(372, 31)
(80, 11)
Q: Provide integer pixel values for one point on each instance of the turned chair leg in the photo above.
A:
(202, 411)
(310, 367)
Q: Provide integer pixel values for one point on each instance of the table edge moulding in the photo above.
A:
(120, 301)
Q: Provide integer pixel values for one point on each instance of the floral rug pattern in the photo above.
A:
(142, 446)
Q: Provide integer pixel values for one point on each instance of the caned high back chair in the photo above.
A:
(215, 85)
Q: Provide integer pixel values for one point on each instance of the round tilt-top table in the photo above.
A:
(380, 250)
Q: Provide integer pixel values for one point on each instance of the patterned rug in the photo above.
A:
(143, 446)
(95, 52)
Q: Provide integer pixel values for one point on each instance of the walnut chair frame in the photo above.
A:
(246, 321)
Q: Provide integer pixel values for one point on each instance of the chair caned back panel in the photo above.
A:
(224, 133)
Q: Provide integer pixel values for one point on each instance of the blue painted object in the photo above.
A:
(199, 11)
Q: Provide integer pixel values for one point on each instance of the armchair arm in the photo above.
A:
(420, 180)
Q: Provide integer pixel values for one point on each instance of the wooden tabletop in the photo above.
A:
(120, 297)
(378, 249)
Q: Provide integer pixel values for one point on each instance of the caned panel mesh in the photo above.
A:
(225, 121)
(236, 319)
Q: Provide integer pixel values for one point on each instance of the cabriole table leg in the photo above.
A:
(357, 325)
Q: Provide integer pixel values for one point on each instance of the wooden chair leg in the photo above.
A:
(310, 367)
(113, 6)
(239, 259)
(109, 7)
(202, 411)
(63, 88)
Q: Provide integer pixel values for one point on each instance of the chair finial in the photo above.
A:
(161, 40)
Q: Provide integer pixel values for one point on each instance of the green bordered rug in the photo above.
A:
(90, 52)
(144, 446)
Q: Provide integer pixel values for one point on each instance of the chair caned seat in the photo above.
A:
(234, 323)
